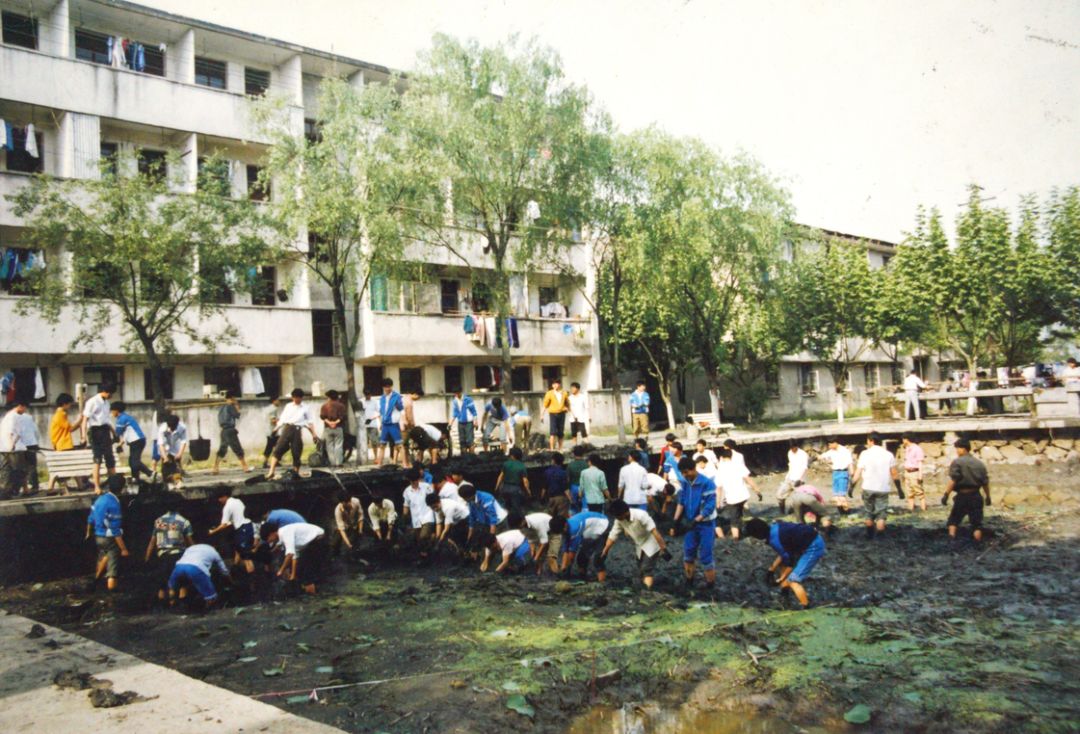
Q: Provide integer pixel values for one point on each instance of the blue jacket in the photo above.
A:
(484, 510)
(557, 480)
(671, 463)
(698, 498)
(639, 402)
(388, 404)
(465, 412)
(790, 539)
(501, 414)
(125, 421)
(281, 518)
(105, 516)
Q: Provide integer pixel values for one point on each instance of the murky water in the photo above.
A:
(652, 719)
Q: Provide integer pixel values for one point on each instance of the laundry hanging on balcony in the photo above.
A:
(4, 136)
(480, 334)
(17, 263)
(39, 384)
(490, 332)
(519, 296)
(251, 381)
(512, 333)
(7, 387)
(115, 47)
(31, 141)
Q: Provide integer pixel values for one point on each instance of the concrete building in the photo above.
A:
(189, 87)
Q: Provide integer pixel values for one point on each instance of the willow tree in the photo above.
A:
(143, 257)
(516, 144)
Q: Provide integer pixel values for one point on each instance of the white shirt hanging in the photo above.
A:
(118, 57)
(31, 141)
(39, 385)
(3, 133)
(532, 211)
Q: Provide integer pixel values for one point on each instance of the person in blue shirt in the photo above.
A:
(194, 569)
(639, 410)
(391, 406)
(798, 547)
(556, 480)
(129, 432)
(697, 502)
(105, 523)
(282, 517)
(495, 415)
(486, 518)
(672, 463)
(584, 539)
(463, 412)
(641, 448)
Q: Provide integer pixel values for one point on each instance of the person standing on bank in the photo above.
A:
(579, 414)
(391, 408)
(129, 431)
(639, 410)
(97, 419)
(463, 413)
(912, 385)
(334, 415)
(967, 475)
(227, 416)
(295, 417)
(556, 405)
(270, 413)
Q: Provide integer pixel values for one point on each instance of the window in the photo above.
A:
(263, 289)
(481, 297)
(452, 378)
(521, 379)
(153, 285)
(271, 377)
(224, 379)
(449, 296)
(95, 377)
(97, 281)
(871, 377)
(214, 287)
(26, 384)
(17, 157)
(152, 165)
(808, 379)
(16, 265)
(257, 190)
(411, 379)
(486, 378)
(323, 340)
(20, 30)
(214, 176)
(210, 73)
(109, 152)
(373, 377)
(167, 379)
(788, 251)
(548, 295)
(312, 130)
(155, 60)
(256, 81)
(772, 382)
(896, 374)
(91, 46)
(551, 372)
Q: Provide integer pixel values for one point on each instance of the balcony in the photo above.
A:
(93, 89)
(264, 331)
(391, 335)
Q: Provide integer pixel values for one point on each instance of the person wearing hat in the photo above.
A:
(967, 475)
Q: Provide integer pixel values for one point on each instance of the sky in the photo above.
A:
(864, 109)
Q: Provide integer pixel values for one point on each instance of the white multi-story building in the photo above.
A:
(189, 87)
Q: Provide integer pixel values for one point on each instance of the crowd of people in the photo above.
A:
(564, 520)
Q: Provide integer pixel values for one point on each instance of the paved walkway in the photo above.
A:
(29, 702)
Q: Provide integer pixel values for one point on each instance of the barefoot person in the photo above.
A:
(172, 534)
(913, 473)
(305, 552)
(227, 416)
(840, 460)
(294, 418)
(877, 469)
(649, 545)
(234, 517)
(697, 502)
(967, 475)
(798, 548)
(105, 523)
(97, 418)
(193, 569)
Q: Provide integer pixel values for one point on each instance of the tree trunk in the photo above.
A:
(973, 402)
(840, 407)
(157, 375)
(348, 360)
(616, 385)
(664, 383)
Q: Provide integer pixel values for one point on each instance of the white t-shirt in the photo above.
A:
(453, 510)
(449, 490)
(233, 513)
(510, 541)
(1071, 375)
(371, 412)
(294, 538)
(579, 408)
(595, 527)
(731, 479)
(913, 383)
(339, 513)
(798, 463)
(710, 456)
(26, 432)
(295, 415)
(632, 482)
(738, 458)
(416, 500)
(707, 470)
(382, 512)
(204, 557)
(433, 433)
(639, 528)
(876, 464)
(96, 411)
(537, 526)
(9, 432)
(654, 485)
(840, 458)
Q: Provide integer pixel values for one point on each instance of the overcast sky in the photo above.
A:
(864, 108)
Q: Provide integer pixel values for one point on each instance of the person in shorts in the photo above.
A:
(391, 409)
(97, 417)
(234, 518)
(105, 523)
(649, 545)
(415, 507)
(913, 473)
(733, 483)
(194, 570)
(877, 469)
(967, 476)
(172, 534)
(579, 414)
(840, 461)
(537, 529)
(798, 547)
(808, 506)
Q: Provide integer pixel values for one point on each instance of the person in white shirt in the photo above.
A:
(641, 529)
(305, 552)
(381, 512)
(294, 418)
(877, 469)
(98, 420)
(270, 414)
(537, 529)
(798, 463)
(234, 517)
(171, 443)
(579, 414)
(14, 434)
(733, 485)
(348, 521)
(451, 520)
(633, 483)
(704, 468)
(710, 455)
(660, 493)
(1070, 376)
(736, 456)
(912, 385)
(415, 507)
(444, 485)
(840, 460)
(371, 420)
(515, 549)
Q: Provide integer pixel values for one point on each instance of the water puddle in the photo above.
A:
(652, 719)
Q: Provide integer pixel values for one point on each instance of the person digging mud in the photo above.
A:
(640, 528)
(451, 521)
(305, 552)
(967, 475)
(193, 570)
(514, 546)
(584, 540)
(486, 518)
(799, 547)
(382, 515)
(697, 501)
(733, 481)
(263, 554)
(537, 529)
(808, 505)
(172, 534)
(243, 531)
(348, 523)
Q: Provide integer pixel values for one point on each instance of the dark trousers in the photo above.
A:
(309, 564)
(135, 451)
(29, 458)
(291, 438)
(514, 497)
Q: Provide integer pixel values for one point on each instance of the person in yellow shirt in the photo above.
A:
(61, 428)
(556, 404)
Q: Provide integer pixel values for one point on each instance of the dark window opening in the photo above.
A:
(167, 383)
(322, 333)
(256, 81)
(257, 190)
(481, 297)
(17, 157)
(452, 375)
(92, 46)
(264, 286)
(20, 30)
(224, 379)
(487, 378)
(153, 285)
(312, 130)
(449, 296)
(271, 377)
(26, 384)
(95, 377)
(772, 382)
(412, 379)
(155, 60)
(214, 176)
(550, 373)
(521, 379)
(109, 152)
(548, 295)
(98, 281)
(210, 73)
(373, 377)
(152, 165)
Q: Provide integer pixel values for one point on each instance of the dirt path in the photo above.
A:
(930, 635)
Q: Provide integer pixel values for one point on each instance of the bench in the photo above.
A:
(710, 422)
(73, 464)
